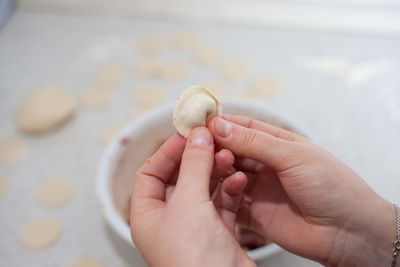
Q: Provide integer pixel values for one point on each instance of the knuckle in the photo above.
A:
(247, 137)
(194, 156)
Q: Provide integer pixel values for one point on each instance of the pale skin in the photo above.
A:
(276, 183)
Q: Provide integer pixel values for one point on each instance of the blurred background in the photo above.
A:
(333, 65)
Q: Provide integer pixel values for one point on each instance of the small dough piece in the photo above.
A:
(109, 74)
(40, 233)
(54, 192)
(235, 70)
(149, 96)
(97, 97)
(187, 40)
(176, 70)
(208, 55)
(195, 106)
(152, 45)
(266, 86)
(86, 262)
(3, 186)
(13, 150)
(45, 109)
(149, 68)
(110, 132)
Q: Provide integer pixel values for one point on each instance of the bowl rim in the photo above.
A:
(112, 152)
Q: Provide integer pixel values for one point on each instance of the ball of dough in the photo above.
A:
(195, 106)
(13, 150)
(40, 233)
(54, 192)
(85, 262)
(45, 109)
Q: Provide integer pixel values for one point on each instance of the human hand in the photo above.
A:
(174, 222)
(303, 198)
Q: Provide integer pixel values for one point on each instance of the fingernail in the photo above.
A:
(200, 136)
(224, 128)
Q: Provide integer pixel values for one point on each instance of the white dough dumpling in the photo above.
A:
(195, 106)
(45, 109)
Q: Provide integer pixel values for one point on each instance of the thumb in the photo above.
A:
(196, 165)
(250, 143)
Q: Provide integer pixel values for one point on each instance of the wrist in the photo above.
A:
(366, 240)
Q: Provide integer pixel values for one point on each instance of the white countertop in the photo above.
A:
(359, 123)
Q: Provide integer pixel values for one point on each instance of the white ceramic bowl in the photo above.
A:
(139, 139)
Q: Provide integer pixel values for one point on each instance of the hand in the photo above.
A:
(174, 222)
(303, 198)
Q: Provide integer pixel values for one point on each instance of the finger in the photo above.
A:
(263, 127)
(259, 146)
(248, 165)
(169, 189)
(248, 238)
(228, 199)
(149, 185)
(223, 167)
(251, 181)
(223, 161)
(196, 165)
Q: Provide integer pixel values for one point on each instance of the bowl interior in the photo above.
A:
(143, 137)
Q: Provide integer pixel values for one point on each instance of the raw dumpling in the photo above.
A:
(195, 106)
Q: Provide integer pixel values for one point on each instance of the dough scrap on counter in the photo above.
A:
(152, 45)
(45, 109)
(86, 262)
(109, 74)
(235, 70)
(266, 86)
(187, 40)
(149, 68)
(97, 97)
(13, 150)
(176, 70)
(37, 234)
(208, 55)
(3, 186)
(194, 107)
(54, 192)
(149, 96)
